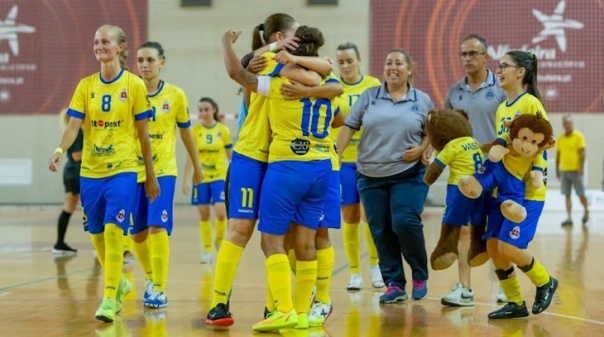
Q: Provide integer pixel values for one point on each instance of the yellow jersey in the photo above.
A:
(170, 108)
(517, 165)
(109, 110)
(352, 91)
(212, 143)
(568, 147)
(300, 128)
(463, 156)
(255, 133)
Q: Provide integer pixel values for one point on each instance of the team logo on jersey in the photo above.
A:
(415, 107)
(300, 146)
(481, 169)
(164, 216)
(121, 216)
(92, 95)
(489, 95)
(84, 220)
(515, 233)
(461, 97)
(124, 95)
(165, 107)
(518, 113)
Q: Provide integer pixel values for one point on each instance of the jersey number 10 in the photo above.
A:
(311, 114)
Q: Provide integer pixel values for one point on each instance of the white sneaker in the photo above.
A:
(459, 297)
(501, 298)
(376, 276)
(356, 282)
(128, 257)
(207, 258)
(319, 313)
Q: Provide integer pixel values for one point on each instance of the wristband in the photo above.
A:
(272, 47)
(59, 150)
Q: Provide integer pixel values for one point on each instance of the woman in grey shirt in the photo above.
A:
(390, 172)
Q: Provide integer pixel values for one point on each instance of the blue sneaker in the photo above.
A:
(157, 300)
(420, 290)
(393, 294)
(148, 290)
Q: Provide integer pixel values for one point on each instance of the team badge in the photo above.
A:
(124, 95)
(489, 95)
(164, 216)
(515, 233)
(121, 216)
(518, 113)
(165, 107)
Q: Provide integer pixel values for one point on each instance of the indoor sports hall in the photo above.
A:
(46, 47)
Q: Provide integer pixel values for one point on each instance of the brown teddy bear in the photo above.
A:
(450, 133)
(508, 165)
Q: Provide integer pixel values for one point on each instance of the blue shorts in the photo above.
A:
(331, 217)
(245, 180)
(107, 200)
(496, 175)
(208, 193)
(516, 234)
(293, 191)
(458, 208)
(348, 183)
(158, 213)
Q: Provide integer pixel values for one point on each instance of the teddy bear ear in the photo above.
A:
(430, 115)
(463, 113)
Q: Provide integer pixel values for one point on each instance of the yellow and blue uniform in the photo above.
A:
(464, 157)
(352, 91)
(568, 147)
(250, 155)
(299, 161)
(212, 143)
(170, 109)
(109, 110)
(519, 234)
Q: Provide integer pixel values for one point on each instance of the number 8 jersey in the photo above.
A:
(109, 110)
(300, 128)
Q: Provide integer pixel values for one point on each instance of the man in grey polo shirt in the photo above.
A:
(479, 94)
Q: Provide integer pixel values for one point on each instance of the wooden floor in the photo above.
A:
(42, 296)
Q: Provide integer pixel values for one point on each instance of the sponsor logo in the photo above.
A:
(299, 146)
(100, 151)
(9, 29)
(99, 123)
(555, 25)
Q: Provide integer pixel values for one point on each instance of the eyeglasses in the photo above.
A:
(503, 66)
(472, 53)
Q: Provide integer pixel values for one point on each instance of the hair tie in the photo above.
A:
(261, 27)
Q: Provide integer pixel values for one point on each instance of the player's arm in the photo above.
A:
(69, 135)
(294, 91)
(319, 64)
(151, 184)
(186, 135)
(338, 121)
(233, 66)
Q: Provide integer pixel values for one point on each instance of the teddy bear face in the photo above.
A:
(529, 133)
(444, 125)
